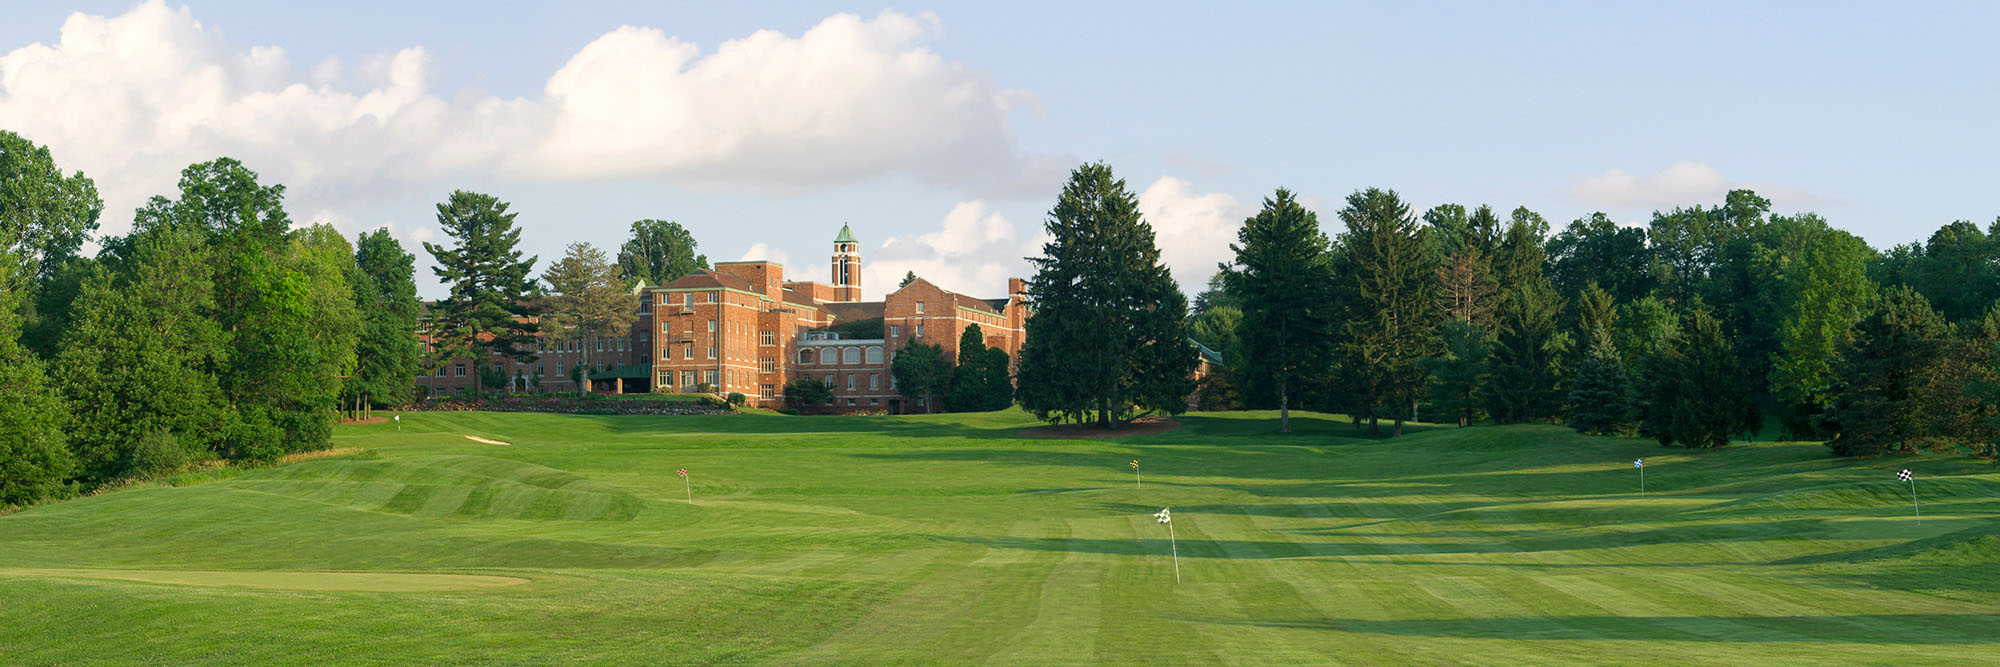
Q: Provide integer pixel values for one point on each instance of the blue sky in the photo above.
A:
(942, 131)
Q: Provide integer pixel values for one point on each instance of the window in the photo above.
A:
(687, 378)
(850, 382)
(920, 307)
(687, 351)
(920, 331)
(687, 301)
(874, 381)
(600, 345)
(559, 368)
(711, 326)
(461, 370)
(895, 331)
(708, 296)
(874, 401)
(805, 356)
(850, 401)
(538, 369)
(829, 381)
(666, 378)
(708, 376)
(850, 355)
(765, 392)
(828, 355)
(892, 382)
(770, 365)
(666, 328)
(874, 355)
(766, 337)
(711, 351)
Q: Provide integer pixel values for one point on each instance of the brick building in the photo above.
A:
(741, 327)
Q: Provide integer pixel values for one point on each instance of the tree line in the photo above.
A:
(218, 328)
(1696, 329)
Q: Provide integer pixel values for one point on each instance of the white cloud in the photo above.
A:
(1193, 230)
(974, 252)
(764, 252)
(1683, 184)
(132, 99)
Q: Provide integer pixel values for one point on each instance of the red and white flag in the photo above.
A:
(684, 472)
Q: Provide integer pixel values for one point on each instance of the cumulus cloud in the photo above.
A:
(1193, 229)
(1683, 184)
(764, 252)
(133, 98)
(974, 251)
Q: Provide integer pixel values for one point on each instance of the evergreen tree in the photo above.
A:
(587, 301)
(1466, 289)
(1110, 327)
(489, 310)
(908, 277)
(921, 373)
(1282, 276)
(659, 251)
(1600, 398)
(1593, 313)
(1881, 406)
(1458, 374)
(385, 291)
(1392, 318)
(1526, 369)
(808, 391)
(979, 383)
(1709, 400)
(34, 457)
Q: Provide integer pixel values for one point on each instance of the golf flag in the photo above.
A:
(1167, 518)
(1907, 476)
(1640, 463)
(684, 472)
(687, 483)
(1135, 474)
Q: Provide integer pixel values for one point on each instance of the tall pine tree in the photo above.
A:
(489, 310)
(1392, 317)
(387, 352)
(1283, 276)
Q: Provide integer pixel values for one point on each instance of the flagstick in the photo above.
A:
(1135, 479)
(1642, 480)
(1913, 500)
(690, 488)
(1175, 545)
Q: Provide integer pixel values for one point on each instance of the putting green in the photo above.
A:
(380, 582)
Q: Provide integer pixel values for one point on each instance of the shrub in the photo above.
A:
(704, 388)
(158, 452)
(737, 398)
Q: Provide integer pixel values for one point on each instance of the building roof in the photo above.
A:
(974, 304)
(708, 278)
(846, 235)
(853, 310)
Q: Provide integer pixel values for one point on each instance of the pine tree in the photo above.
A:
(659, 251)
(1466, 289)
(908, 277)
(1282, 276)
(979, 383)
(1600, 398)
(1392, 320)
(1525, 375)
(1110, 327)
(1710, 401)
(1458, 373)
(587, 301)
(1881, 405)
(489, 310)
(921, 373)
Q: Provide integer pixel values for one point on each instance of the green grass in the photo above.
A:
(949, 539)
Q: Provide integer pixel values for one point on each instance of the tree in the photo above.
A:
(1597, 250)
(387, 353)
(807, 391)
(659, 252)
(323, 351)
(1526, 367)
(489, 309)
(1392, 319)
(587, 300)
(908, 277)
(1458, 372)
(980, 382)
(1881, 406)
(34, 457)
(1109, 333)
(1816, 296)
(921, 373)
(1466, 289)
(144, 355)
(44, 216)
(1282, 276)
(1709, 402)
(1600, 398)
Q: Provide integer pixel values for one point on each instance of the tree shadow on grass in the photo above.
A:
(1860, 628)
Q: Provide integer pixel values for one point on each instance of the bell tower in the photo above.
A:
(846, 266)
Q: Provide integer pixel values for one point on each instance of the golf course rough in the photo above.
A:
(951, 539)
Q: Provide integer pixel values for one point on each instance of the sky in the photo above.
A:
(943, 132)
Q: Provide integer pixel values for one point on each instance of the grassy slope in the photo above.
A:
(946, 539)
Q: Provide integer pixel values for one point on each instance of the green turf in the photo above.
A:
(948, 539)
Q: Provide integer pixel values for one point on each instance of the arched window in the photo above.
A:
(875, 355)
(805, 356)
(829, 355)
(850, 355)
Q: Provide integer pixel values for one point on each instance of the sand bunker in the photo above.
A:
(381, 582)
(475, 438)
